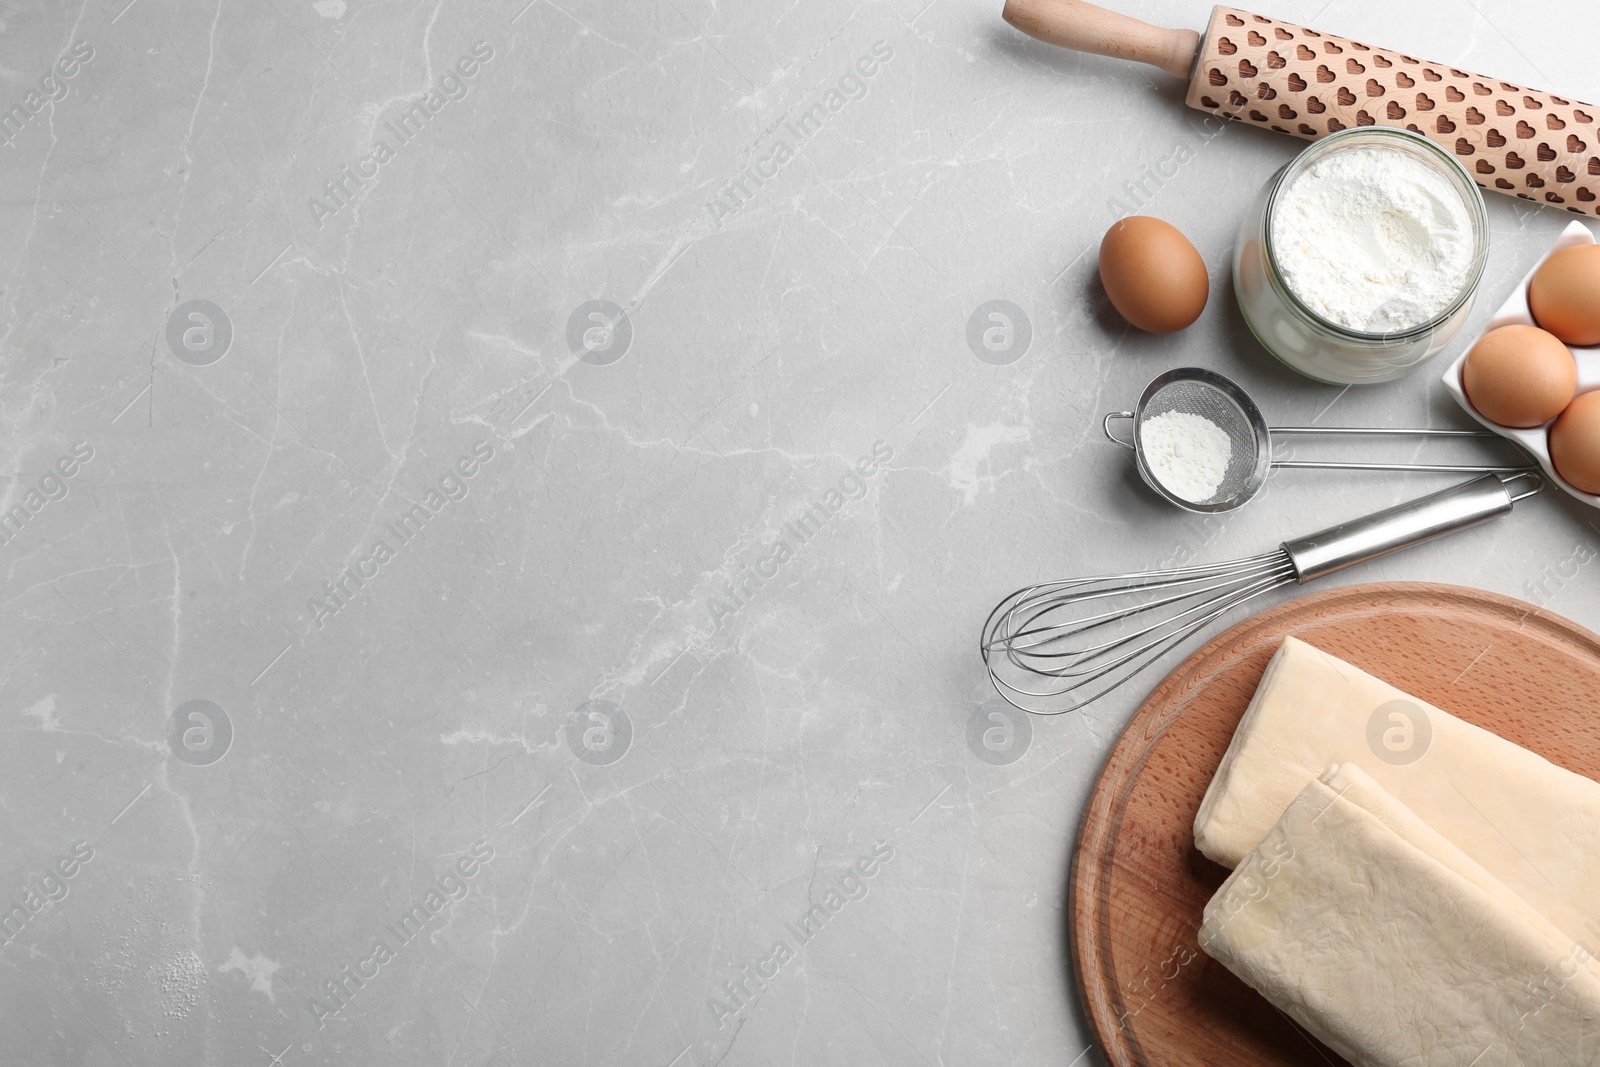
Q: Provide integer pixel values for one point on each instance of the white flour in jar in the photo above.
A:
(1187, 453)
(1373, 240)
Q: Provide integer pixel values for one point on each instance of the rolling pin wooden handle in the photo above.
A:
(1086, 28)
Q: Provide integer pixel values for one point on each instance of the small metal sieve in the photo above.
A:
(1222, 402)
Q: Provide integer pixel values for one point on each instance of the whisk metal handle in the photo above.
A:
(1401, 526)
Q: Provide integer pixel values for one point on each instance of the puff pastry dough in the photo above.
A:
(1533, 826)
(1393, 946)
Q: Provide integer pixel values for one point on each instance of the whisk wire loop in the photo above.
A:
(1076, 632)
(1059, 646)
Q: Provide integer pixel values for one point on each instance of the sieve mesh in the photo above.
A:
(1215, 406)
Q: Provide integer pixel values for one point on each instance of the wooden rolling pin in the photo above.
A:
(1297, 81)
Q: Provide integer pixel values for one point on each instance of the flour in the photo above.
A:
(1373, 240)
(1188, 454)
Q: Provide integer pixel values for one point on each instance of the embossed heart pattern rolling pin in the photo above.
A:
(1298, 81)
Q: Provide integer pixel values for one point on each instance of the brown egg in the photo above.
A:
(1519, 376)
(1575, 443)
(1565, 295)
(1153, 275)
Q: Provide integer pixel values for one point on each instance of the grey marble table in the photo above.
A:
(500, 502)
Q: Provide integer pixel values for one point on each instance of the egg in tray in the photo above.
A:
(1534, 375)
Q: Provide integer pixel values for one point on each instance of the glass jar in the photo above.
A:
(1310, 343)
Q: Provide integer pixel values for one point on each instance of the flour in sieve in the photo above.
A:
(1187, 453)
(1374, 240)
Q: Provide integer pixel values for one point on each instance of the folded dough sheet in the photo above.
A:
(1380, 937)
(1533, 826)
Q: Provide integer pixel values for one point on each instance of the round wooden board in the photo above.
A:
(1138, 884)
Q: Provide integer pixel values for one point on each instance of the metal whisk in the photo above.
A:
(1076, 640)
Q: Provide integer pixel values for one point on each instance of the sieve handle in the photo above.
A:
(1391, 431)
(1105, 424)
(1404, 525)
(1381, 431)
(1427, 468)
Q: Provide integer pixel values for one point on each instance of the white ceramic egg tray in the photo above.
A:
(1515, 312)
